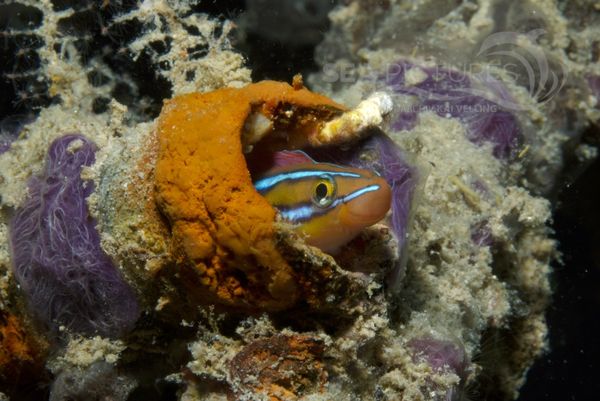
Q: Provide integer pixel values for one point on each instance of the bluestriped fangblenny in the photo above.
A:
(330, 204)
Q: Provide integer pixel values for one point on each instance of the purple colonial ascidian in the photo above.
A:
(443, 356)
(57, 259)
(4, 145)
(387, 159)
(452, 94)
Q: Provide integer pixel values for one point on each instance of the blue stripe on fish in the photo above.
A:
(305, 211)
(298, 214)
(264, 184)
(359, 192)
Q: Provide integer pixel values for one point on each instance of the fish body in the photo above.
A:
(330, 204)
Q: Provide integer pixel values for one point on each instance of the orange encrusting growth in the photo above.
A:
(18, 351)
(281, 367)
(221, 227)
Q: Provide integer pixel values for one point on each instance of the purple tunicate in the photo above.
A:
(440, 354)
(57, 259)
(405, 120)
(401, 177)
(481, 234)
(4, 145)
(443, 356)
(379, 153)
(452, 94)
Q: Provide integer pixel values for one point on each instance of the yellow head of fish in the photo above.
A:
(330, 204)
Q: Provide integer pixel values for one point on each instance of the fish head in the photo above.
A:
(329, 204)
(344, 201)
(363, 201)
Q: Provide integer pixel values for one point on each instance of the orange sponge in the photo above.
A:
(222, 229)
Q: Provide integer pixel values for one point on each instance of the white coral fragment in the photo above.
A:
(353, 124)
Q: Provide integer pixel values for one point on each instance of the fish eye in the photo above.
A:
(324, 192)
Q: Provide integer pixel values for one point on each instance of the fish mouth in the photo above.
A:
(369, 206)
(364, 219)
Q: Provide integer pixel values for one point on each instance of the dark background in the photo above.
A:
(571, 368)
